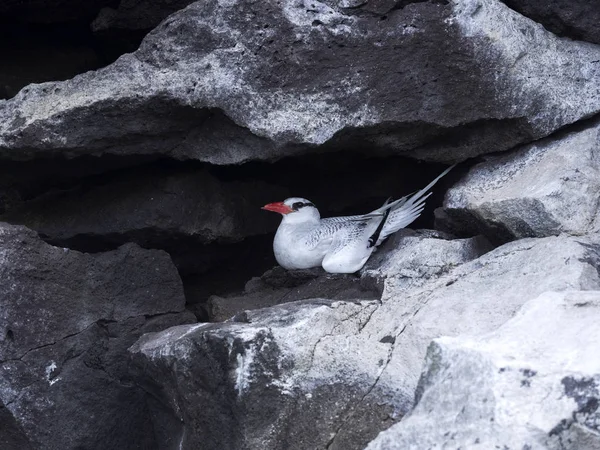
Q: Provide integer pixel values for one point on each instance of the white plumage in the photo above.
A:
(339, 244)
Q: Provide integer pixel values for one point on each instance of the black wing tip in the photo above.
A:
(375, 236)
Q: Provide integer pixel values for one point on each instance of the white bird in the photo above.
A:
(339, 244)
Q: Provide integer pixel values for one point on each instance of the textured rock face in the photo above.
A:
(280, 286)
(544, 189)
(66, 320)
(226, 82)
(577, 19)
(347, 368)
(533, 383)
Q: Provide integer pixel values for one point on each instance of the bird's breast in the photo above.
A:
(294, 249)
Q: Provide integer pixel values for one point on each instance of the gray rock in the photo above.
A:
(280, 286)
(532, 384)
(473, 298)
(577, 19)
(543, 189)
(11, 436)
(66, 320)
(152, 208)
(416, 258)
(332, 374)
(227, 82)
(260, 382)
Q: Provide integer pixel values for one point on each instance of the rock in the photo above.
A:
(278, 286)
(328, 373)
(153, 208)
(543, 189)
(532, 384)
(226, 82)
(577, 19)
(11, 435)
(66, 322)
(264, 363)
(416, 258)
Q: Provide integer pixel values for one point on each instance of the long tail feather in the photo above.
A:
(407, 209)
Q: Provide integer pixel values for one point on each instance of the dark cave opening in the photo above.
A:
(39, 49)
(70, 190)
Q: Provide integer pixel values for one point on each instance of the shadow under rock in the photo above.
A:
(278, 286)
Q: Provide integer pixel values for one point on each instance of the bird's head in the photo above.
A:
(295, 210)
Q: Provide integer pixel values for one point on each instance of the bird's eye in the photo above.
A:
(296, 206)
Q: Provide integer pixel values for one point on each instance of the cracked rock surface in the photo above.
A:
(66, 320)
(544, 189)
(533, 383)
(227, 81)
(331, 374)
(577, 19)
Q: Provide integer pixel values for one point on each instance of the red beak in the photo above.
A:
(278, 207)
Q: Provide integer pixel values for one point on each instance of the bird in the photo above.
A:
(304, 240)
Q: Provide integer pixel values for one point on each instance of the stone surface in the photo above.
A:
(280, 286)
(351, 367)
(532, 384)
(153, 208)
(577, 19)
(414, 258)
(11, 435)
(66, 320)
(543, 189)
(226, 82)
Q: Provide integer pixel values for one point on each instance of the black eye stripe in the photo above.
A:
(297, 205)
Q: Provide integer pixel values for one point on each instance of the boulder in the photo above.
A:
(532, 384)
(414, 258)
(226, 82)
(327, 373)
(577, 19)
(543, 189)
(66, 321)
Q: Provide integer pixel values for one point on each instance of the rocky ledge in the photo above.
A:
(227, 82)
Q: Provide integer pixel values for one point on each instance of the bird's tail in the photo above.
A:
(406, 209)
(377, 213)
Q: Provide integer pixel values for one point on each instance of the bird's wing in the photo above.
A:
(350, 249)
(322, 236)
